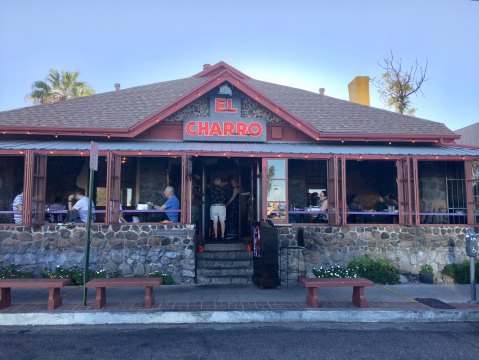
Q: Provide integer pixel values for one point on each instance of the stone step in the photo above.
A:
(220, 280)
(214, 272)
(225, 255)
(224, 263)
(225, 247)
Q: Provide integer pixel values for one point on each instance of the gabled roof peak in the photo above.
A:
(213, 70)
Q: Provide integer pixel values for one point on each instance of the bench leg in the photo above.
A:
(5, 297)
(100, 299)
(54, 298)
(358, 297)
(312, 297)
(149, 297)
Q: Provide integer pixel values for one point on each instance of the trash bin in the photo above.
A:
(265, 260)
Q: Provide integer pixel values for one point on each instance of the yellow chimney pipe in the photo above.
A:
(359, 90)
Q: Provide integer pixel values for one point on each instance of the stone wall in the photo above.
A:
(408, 248)
(133, 249)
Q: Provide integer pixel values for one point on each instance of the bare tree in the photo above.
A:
(397, 84)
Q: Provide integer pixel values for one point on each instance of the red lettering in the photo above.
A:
(241, 129)
(230, 107)
(255, 129)
(189, 128)
(215, 129)
(202, 128)
(228, 128)
(220, 105)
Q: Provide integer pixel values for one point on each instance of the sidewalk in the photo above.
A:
(178, 304)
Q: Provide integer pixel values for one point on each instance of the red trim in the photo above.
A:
(389, 137)
(218, 68)
(235, 154)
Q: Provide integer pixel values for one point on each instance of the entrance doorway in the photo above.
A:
(242, 212)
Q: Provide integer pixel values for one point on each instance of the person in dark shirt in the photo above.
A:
(380, 206)
(232, 209)
(218, 207)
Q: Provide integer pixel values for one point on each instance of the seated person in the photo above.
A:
(389, 200)
(355, 205)
(381, 206)
(322, 218)
(172, 203)
(56, 206)
(17, 206)
(79, 212)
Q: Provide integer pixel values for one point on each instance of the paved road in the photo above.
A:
(289, 341)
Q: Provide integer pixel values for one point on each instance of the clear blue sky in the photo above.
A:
(305, 44)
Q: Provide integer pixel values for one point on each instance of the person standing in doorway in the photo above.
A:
(218, 208)
(232, 209)
(17, 206)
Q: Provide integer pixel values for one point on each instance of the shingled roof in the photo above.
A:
(124, 109)
(334, 116)
(116, 109)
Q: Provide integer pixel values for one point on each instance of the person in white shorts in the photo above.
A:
(218, 207)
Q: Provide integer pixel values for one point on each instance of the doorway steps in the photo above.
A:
(224, 264)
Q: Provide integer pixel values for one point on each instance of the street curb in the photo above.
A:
(236, 316)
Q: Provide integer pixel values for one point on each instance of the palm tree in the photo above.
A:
(58, 87)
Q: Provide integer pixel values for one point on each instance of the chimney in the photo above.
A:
(359, 90)
(321, 91)
(206, 66)
(117, 86)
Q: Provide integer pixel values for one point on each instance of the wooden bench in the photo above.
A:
(102, 284)
(358, 285)
(53, 286)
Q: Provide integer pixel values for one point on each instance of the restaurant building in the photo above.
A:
(280, 143)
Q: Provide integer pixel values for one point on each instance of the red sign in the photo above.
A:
(223, 105)
(227, 128)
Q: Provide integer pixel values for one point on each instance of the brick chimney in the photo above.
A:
(321, 91)
(206, 66)
(117, 86)
(359, 90)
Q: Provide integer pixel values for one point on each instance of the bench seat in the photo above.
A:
(102, 284)
(53, 286)
(358, 285)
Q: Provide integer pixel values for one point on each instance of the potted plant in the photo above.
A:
(200, 244)
(426, 275)
(249, 245)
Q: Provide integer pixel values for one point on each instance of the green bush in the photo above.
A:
(11, 272)
(426, 269)
(380, 271)
(167, 279)
(334, 272)
(460, 272)
(75, 274)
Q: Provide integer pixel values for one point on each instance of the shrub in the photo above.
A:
(380, 271)
(11, 271)
(426, 269)
(334, 272)
(460, 272)
(167, 279)
(75, 274)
